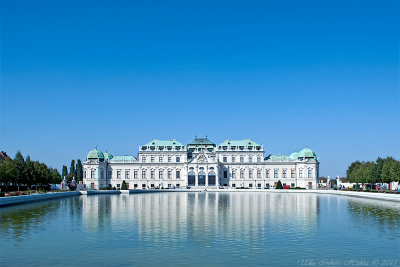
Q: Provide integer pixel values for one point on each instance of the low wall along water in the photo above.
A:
(16, 200)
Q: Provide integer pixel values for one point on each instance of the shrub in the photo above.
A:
(279, 185)
(123, 186)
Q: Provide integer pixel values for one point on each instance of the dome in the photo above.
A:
(307, 153)
(294, 155)
(107, 156)
(95, 154)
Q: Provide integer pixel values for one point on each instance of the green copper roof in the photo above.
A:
(107, 156)
(278, 157)
(201, 142)
(123, 159)
(244, 142)
(95, 154)
(307, 153)
(157, 142)
(294, 155)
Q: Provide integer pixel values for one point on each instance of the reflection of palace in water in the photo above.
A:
(201, 215)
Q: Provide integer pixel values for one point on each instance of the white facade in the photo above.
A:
(201, 164)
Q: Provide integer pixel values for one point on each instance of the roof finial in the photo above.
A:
(206, 136)
(195, 136)
(95, 147)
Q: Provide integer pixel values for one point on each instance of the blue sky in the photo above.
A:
(116, 74)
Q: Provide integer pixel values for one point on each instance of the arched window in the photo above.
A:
(202, 179)
(92, 174)
(211, 179)
(309, 173)
(191, 179)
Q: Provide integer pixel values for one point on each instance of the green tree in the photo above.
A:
(72, 171)
(377, 171)
(390, 171)
(79, 171)
(279, 185)
(123, 186)
(20, 169)
(55, 176)
(64, 172)
(29, 172)
(7, 171)
(352, 171)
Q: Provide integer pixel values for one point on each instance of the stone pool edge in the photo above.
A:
(16, 200)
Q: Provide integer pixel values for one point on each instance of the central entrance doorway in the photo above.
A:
(202, 179)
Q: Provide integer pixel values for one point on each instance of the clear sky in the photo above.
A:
(116, 74)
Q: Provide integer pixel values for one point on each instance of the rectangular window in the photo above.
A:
(309, 173)
(152, 175)
(267, 173)
(169, 185)
(292, 185)
(135, 186)
(241, 174)
(169, 174)
(250, 174)
(250, 159)
(160, 159)
(258, 159)
(225, 174)
(169, 158)
(126, 174)
(233, 158)
(178, 185)
(276, 173)
(224, 159)
(118, 185)
(259, 174)
(284, 173)
(233, 185)
(152, 159)
(144, 186)
(118, 174)
(135, 174)
(178, 159)
(178, 174)
(301, 173)
(259, 185)
(92, 174)
(143, 174)
(233, 174)
(160, 175)
(292, 173)
(143, 159)
(152, 186)
(250, 185)
(241, 159)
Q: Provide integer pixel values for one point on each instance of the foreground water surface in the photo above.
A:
(202, 229)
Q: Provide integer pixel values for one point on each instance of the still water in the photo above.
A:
(201, 229)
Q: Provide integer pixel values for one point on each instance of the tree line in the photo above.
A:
(75, 170)
(25, 172)
(385, 170)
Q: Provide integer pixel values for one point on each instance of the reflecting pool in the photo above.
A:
(201, 229)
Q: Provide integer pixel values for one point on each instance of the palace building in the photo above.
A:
(201, 164)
